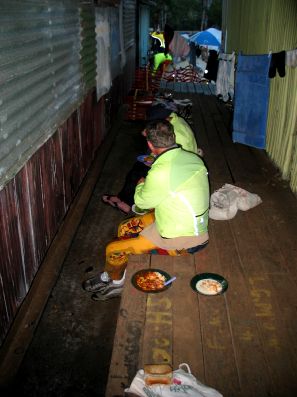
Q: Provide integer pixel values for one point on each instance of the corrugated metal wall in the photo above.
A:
(129, 32)
(88, 45)
(257, 27)
(144, 24)
(39, 75)
(34, 203)
(50, 128)
(129, 15)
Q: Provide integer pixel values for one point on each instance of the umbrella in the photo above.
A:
(209, 37)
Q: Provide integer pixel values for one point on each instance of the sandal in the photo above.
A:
(117, 204)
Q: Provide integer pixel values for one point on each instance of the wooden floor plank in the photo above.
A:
(188, 332)
(275, 338)
(213, 154)
(238, 157)
(272, 258)
(284, 289)
(157, 340)
(252, 367)
(129, 332)
(280, 211)
(198, 88)
(215, 328)
(218, 351)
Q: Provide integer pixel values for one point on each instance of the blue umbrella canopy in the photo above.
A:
(208, 37)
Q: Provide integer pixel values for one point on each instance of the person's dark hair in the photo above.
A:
(160, 133)
(158, 112)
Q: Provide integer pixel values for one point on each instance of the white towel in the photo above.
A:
(225, 77)
(291, 58)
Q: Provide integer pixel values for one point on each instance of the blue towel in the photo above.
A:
(251, 100)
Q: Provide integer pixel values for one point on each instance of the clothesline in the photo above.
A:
(261, 68)
(289, 56)
(226, 69)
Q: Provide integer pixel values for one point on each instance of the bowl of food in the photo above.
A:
(138, 211)
(209, 284)
(147, 159)
(151, 280)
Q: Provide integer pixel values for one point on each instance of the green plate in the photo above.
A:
(209, 284)
(154, 291)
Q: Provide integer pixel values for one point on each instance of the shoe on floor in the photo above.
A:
(96, 283)
(110, 291)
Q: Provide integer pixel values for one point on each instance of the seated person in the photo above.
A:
(184, 136)
(177, 189)
(159, 59)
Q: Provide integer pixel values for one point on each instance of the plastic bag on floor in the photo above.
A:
(225, 202)
(184, 385)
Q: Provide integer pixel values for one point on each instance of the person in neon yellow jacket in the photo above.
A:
(185, 137)
(159, 59)
(160, 53)
(176, 190)
(183, 133)
(158, 44)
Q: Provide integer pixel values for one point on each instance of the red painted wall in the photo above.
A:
(34, 203)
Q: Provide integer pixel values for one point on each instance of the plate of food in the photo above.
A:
(147, 159)
(209, 284)
(150, 280)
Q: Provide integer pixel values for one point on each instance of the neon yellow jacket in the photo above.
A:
(177, 188)
(160, 58)
(184, 135)
(159, 36)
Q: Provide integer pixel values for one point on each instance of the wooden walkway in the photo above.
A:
(244, 341)
(194, 88)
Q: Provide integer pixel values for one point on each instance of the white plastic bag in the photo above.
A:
(225, 202)
(184, 385)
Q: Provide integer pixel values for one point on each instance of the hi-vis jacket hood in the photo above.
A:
(177, 188)
(184, 135)
(160, 37)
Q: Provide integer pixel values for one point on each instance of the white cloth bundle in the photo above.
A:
(226, 201)
(185, 385)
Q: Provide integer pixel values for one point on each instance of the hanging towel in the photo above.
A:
(225, 78)
(291, 58)
(179, 46)
(278, 61)
(251, 100)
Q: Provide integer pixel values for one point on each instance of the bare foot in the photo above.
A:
(115, 202)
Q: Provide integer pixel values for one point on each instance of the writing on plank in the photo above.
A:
(261, 298)
(215, 340)
(159, 322)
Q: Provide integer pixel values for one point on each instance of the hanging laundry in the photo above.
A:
(179, 46)
(251, 100)
(291, 58)
(168, 36)
(225, 77)
(278, 61)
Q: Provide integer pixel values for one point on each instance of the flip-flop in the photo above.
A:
(106, 199)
